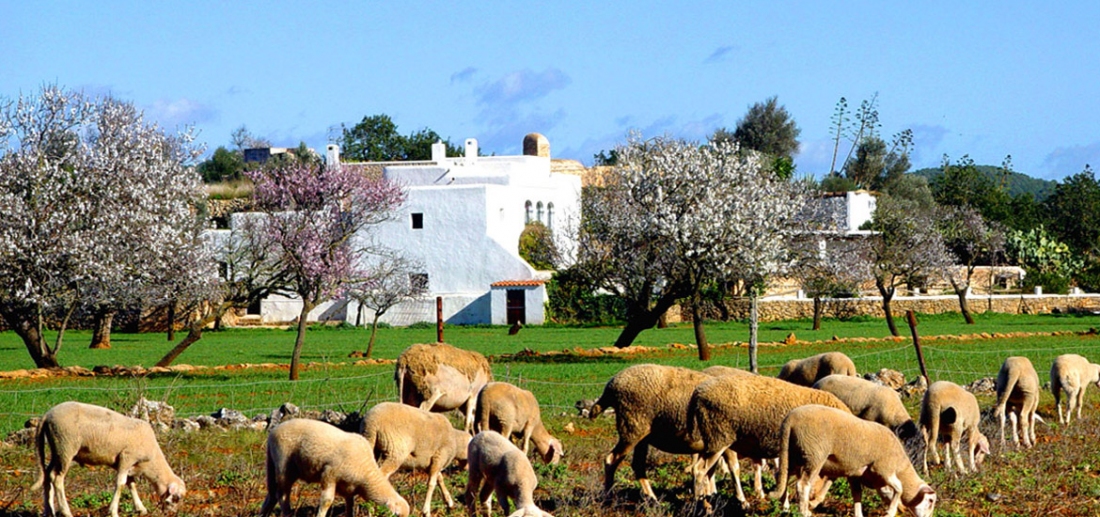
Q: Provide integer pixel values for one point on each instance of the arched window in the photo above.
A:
(550, 215)
(539, 209)
(527, 213)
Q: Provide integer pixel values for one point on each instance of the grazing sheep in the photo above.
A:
(1018, 388)
(497, 465)
(1072, 373)
(650, 403)
(743, 414)
(805, 372)
(316, 452)
(818, 441)
(509, 410)
(950, 410)
(873, 402)
(94, 435)
(440, 377)
(403, 436)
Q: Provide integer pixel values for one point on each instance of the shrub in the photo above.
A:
(573, 300)
(536, 246)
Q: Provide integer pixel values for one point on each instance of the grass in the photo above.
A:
(1060, 476)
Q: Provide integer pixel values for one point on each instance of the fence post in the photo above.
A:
(916, 344)
(438, 319)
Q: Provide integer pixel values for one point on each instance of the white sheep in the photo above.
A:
(316, 452)
(439, 377)
(743, 414)
(94, 435)
(1072, 373)
(650, 403)
(403, 436)
(873, 402)
(496, 465)
(1018, 389)
(510, 410)
(805, 372)
(824, 442)
(949, 410)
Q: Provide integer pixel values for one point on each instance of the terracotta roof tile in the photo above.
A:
(518, 283)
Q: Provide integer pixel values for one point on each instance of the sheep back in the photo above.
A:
(411, 436)
(867, 400)
(651, 399)
(745, 412)
(419, 366)
(805, 372)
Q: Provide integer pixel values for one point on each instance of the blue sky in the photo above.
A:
(986, 79)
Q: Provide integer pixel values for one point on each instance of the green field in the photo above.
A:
(333, 381)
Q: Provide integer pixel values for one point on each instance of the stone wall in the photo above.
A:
(776, 309)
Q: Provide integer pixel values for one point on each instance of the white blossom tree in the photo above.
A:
(389, 283)
(673, 216)
(906, 246)
(973, 240)
(828, 268)
(310, 214)
(95, 205)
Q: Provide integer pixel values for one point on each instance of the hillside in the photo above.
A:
(1016, 183)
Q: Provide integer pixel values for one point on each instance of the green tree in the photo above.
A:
(963, 184)
(1074, 213)
(375, 139)
(536, 246)
(223, 165)
(768, 128)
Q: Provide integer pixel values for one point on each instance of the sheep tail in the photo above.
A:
(784, 461)
(40, 451)
(1003, 394)
(606, 400)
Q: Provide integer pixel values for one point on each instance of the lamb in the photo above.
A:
(94, 435)
(497, 465)
(510, 410)
(1018, 388)
(873, 402)
(440, 377)
(805, 372)
(650, 403)
(403, 436)
(316, 452)
(743, 414)
(818, 441)
(1072, 373)
(950, 410)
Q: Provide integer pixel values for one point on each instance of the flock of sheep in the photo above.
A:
(818, 420)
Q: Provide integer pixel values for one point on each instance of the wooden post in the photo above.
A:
(439, 319)
(916, 344)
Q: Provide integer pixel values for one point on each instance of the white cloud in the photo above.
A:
(179, 112)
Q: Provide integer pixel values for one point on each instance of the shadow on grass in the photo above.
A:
(559, 359)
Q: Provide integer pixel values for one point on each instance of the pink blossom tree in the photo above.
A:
(315, 220)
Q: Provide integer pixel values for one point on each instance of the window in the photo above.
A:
(527, 212)
(253, 308)
(418, 281)
(550, 215)
(539, 208)
(418, 221)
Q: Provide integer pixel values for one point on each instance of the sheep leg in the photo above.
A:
(1080, 401)
(857, 496)
(120, 481)
(821, 493)
(758, 479)
(470, 406)
(526, 439)
(472, 486)
(134, 493)
(432, 480)
(349, 505)
(328, 495)
(804, 485)
(1001, 421)
(1013, 421)
(956, 447)
(895, 500)
(638, 464)
(446, 493)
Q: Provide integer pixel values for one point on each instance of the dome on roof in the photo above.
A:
(534, 144)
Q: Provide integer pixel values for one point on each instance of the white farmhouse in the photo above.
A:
(462, 220)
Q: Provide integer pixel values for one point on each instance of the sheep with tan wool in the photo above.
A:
(824, 442)
(496, 465)
(876, 403)
(403, 436)
(743, 414)
(949, 412)
(316, 452)
(94, 435)
(650, 403)
(805, 372)
(1072, 373)
(1017, 389)
(510, 410)
(439, 377)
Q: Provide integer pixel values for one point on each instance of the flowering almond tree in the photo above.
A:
(96, 206)
(311, 217)
(388, 284)
(673, 216)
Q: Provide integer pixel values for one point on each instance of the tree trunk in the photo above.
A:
(373, 330)
(359, 316)
(697, 325)
(642, 319)
(964, 308)
(171, 321)
(754, 324)
(24, 321)
(887, 295)
(194, 333)
(296, 357)
(819, 307)
(101, 328)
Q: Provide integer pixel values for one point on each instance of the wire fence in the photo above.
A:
(558, 387)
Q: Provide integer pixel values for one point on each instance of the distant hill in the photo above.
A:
(1016, 183)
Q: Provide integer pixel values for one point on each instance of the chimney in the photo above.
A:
(439, 152)
(471, 150)
(332, 155)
